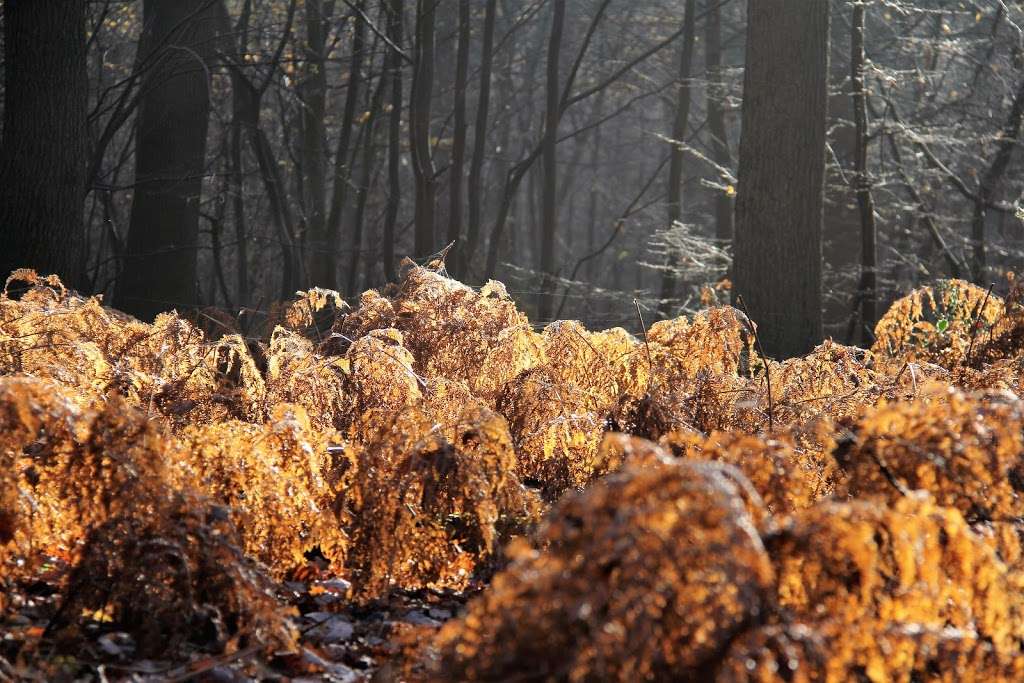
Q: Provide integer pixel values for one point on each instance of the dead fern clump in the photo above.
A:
(787, 477)
(379, 376)
(39, 427)
(589, 362)
(647, 575)
(964, 450)
(620, 451)
(556, 427)
(457, 333)
(704, 403)
(716, 339)
(934, 324)
(374, 312)
(107, 490)
(165, 367)
(73, 469)
(446, 400)
(273, 479)
(296, 374)
(427, 512)
(865, 651)
(832, 381)
(914, 562)
(172, 576)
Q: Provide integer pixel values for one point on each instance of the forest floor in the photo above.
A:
(424, 487)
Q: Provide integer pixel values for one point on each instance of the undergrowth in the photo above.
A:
(628, 508)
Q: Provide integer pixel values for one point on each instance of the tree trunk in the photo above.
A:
(715, 94)
(990, 182)
(419, 128)
(237, 171)
(675, 166)
(868, 292)
(320, 258)
(393, 64)
(342, 167)
(545, 303)
(480, 135)
(777, 265)
(161, 255)
(457, 170)
(43, 157)
(364, 182)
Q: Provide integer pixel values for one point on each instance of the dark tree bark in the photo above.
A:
(342, 167)
(675, 165)
(455, 194)
(715, 95)
(366, 174)
(777, 266)
(990, 182)
(419, 128)
(237, 171)
(320, 254)
(868, 292)
(480, 135)
(393, 63)
(553, 115)
(160, 260)
(44, 156)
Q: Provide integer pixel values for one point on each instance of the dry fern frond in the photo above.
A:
(426, 512)
(174, 575)
(964, 450)
(273, 480)
(787, 477)
(913, 562)
(645, 575)
(934, 324)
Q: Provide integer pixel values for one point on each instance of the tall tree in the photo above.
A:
(1006, 143)
(552, 116)
(483, 106)
(393, 63)
(43, 156)
(867, 293)
(777, 263)
(715, 96)
(363, 189)
(326, 270)
(455, 194)
(159, 270)
(675, 166)
(419, 127)
(320, 258)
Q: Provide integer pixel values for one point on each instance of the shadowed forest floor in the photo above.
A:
(423, 487)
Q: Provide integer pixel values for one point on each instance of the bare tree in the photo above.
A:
(867, 292)
(393, 64)
(777, 266)
(483, 106)
(675, 167)
(553, 115)
(44, 154)
(419, 127)
(160, 267)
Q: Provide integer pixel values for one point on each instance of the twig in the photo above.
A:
(647, 344)
(764, 360)
(974, 326)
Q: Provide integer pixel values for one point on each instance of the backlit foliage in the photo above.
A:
(666, 506)
(640, 577)
(934, 324)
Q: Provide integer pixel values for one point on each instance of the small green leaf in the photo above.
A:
(942, 325)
